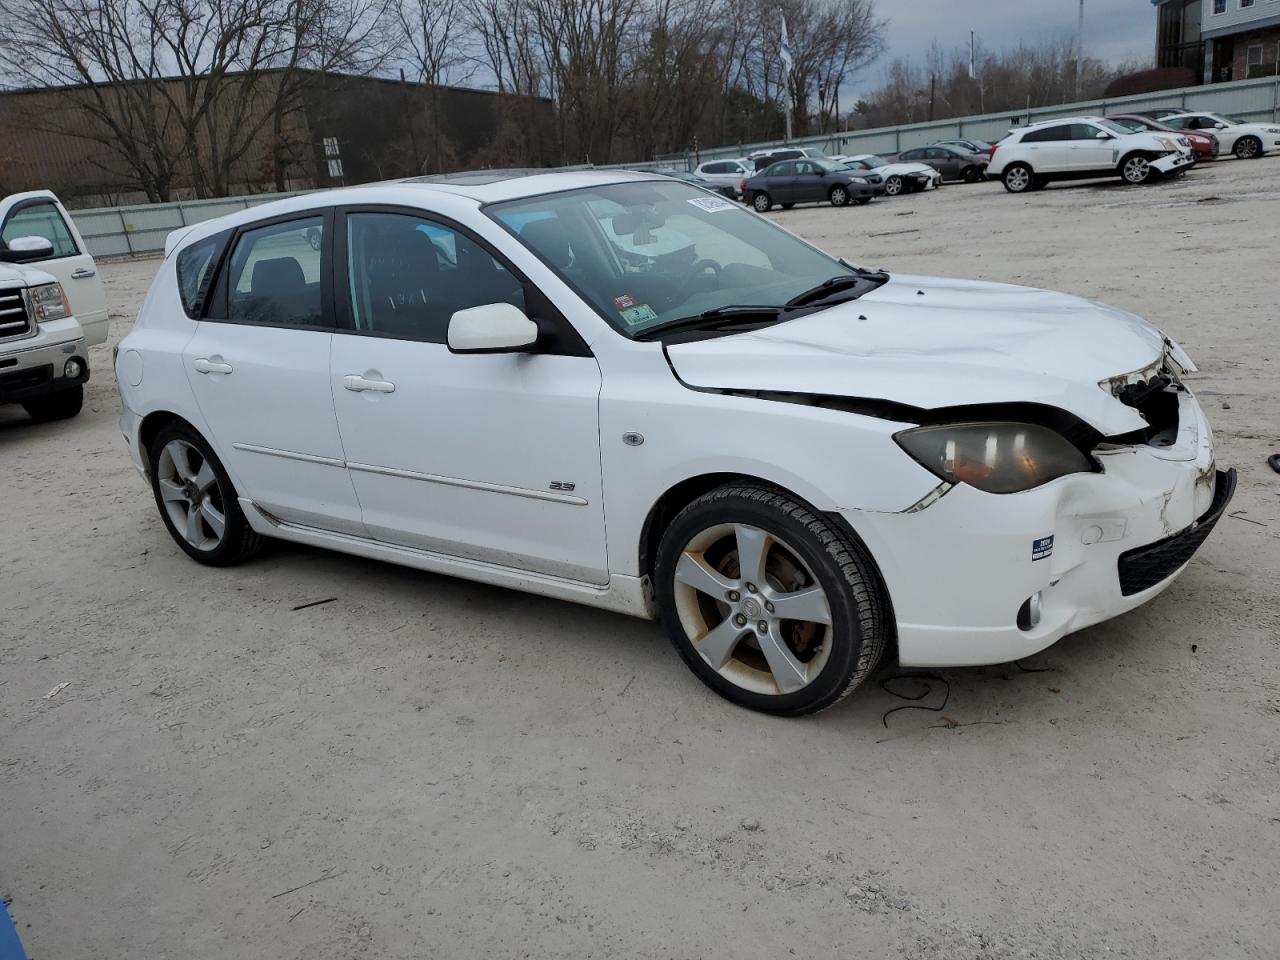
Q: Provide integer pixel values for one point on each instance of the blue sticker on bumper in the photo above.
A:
(1042, 548)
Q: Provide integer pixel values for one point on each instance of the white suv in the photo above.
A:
(1079, 148)
(726, 173)
(622, 391)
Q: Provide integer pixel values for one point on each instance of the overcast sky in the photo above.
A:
(1114, 30)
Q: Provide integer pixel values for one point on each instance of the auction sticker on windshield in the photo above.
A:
(640, 313)
(712, 204)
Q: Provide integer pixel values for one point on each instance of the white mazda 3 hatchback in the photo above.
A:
(622, 391)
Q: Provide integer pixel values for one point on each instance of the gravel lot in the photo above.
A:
(430, 768)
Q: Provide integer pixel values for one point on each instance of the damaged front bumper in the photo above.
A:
(977, 578)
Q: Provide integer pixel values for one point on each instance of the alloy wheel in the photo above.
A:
(1017, 179)
(893, 186)
(752, 609)
(839, 197)
(191, 495)
(1247, 148)
(1137, 169)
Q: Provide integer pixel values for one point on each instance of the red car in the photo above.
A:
(1203, 145)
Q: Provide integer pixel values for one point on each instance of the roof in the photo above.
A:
(491, 186)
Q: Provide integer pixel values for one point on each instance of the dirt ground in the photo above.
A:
(430, 768)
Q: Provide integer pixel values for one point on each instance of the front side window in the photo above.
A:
(408, 275)
(41, 219)
(647, 254)
(275, 275)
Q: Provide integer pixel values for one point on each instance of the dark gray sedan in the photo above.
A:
(789, 182)
(953, 164)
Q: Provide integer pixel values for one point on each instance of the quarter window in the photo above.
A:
(194, 267)
(41, 219)
(409, 275)
(275, 275)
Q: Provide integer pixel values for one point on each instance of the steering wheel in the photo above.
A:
(696, 269)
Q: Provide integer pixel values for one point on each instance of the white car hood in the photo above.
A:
(16, 275)
(904, 169)
(931, 343)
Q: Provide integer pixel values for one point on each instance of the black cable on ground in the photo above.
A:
(928, 689)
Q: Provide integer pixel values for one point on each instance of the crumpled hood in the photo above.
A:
(904, 169)
(931, 342)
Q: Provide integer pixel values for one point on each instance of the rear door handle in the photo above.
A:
(205, 365)
(358, 384)
(84, 274)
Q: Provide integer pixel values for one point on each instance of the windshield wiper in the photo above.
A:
(711, 319)
(832, 286)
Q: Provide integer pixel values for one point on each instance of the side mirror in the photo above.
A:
(26, 249)
(1102, 135)
(1219, 126)
(491, 328)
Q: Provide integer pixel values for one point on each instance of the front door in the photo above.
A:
(1087, 153)
(485, 457)
(259, 367)
(39, 214)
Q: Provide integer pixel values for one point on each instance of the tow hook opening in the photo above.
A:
(1029, 612)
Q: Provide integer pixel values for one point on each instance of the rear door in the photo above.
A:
(259, 368)
(40, 214)
(1046, 148)
(781, 178)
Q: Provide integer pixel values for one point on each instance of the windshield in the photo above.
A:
(874, 162)
(647, 253)
(1132, 126)
(830, 165)
(1113, 127)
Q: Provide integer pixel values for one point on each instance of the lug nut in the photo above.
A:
(734, 596)
(751, 588)
(768, 606)
(740, 620)
(762, 626)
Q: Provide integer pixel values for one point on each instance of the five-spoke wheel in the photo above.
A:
(770, 603)
(196, 498)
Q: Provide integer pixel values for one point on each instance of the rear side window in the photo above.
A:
(41, 219)
(275, 275)
(195, 266)
(1047, 135)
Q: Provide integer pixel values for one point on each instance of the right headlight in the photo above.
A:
(994, 457)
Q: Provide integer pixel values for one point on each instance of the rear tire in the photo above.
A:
(862, 201)
(786, 206)
(62, 405)
(1018, 178)
(1248, 148)
(762, 202)
(733, 564)
(971, 174)
(197, 500)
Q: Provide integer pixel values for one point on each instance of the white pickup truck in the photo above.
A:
(52, 307)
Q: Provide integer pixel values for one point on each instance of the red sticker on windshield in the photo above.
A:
(624, 302)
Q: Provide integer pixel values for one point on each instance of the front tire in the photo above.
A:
(1018, 178)
(893, 186)
(1136, 169)
(768, 602)
(62, 405)
(1248, 148)
(838, 196)
(197, 500)
(762, 202)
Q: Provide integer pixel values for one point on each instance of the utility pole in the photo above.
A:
(1079, 47)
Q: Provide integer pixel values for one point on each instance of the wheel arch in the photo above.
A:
(683, 493)
(156, 421)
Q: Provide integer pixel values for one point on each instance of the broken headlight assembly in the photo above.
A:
(48, 302)
(994, 457)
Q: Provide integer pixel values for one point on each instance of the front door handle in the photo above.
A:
(358, 384)
(84, 274)
(205, 365)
